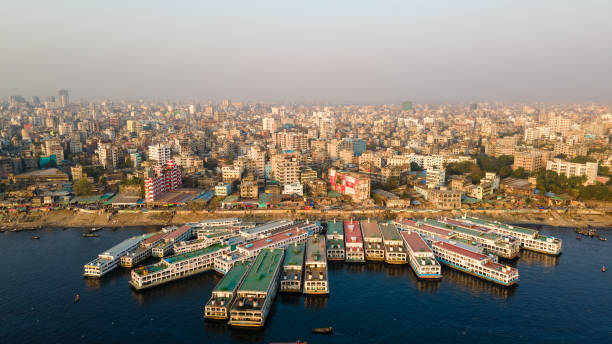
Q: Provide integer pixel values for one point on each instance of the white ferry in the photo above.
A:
(176, 267)
(420, 256)
(224, 292)
(530, 239)
(257, 292)
(474, 263)
(315, 276)
(110, 259)
(335, 241)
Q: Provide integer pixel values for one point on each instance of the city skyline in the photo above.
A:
(351, 52)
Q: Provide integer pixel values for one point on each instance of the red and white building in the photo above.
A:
(167, 177)
(353, 184)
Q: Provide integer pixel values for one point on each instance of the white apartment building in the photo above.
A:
(572, 169)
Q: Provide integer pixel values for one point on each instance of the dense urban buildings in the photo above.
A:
(253, 155)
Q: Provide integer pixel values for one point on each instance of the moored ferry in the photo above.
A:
(335, 240)
(474, 263)
(177, 267)
(166, 245)
(255, 295)
(110, 259)
(395, 253)
(491, 242)
(372, 241)
(205, 241)
(530, 239)
(143, 252)
(420, 256)
(353, 240)
(293, 269)
(315, 274)
(223, 294)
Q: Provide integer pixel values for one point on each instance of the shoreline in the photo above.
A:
(601, 218)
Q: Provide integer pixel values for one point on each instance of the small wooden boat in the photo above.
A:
(603, 239)
(94, 229)
(89, 235)
(578, 238)
(323, 330)
(603, 269)
(76, 298)
(35, 237)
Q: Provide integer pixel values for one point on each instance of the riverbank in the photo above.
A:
(101, 218)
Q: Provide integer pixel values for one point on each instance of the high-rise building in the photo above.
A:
(167, 177)
(160, 153)
(435, 178)
(285, 168)
(62, 98)
(529, 161)
(355, 185)
(269, 124)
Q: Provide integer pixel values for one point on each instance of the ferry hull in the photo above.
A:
(395, 262)
(424, 276)
(137, 287)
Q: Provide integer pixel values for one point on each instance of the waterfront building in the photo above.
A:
(355, 185)
(167, 178)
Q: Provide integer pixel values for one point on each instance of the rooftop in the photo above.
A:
(230, 281)
(415, 242)
(267, 227)
(460, 250)
(503, 225)
(262, 270)
(370, 229)
(294, 255)
(124, 245)
(335, 227)
(194, 254)
(389, 231)
(315, 250)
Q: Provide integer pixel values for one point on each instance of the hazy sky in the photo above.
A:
(312, 51)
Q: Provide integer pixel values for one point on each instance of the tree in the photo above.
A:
(415, 167)
(83, 188)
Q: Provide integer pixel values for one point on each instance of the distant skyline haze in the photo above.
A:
(309, 51)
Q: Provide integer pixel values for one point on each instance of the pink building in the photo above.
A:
(167, 178)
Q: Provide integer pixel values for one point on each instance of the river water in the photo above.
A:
(565, 299)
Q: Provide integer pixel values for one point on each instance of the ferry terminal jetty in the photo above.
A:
(260, 259)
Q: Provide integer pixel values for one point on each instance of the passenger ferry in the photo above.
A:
(315, 276)
(110, 259)
(230, 221)
(474, 263)
(207, 240)
(143, 252)
(504, 247)
(354, 242)
(420, 256)
(279, 240)
(530, 239)
(395, 253)
(166, 245)
(218, 307)
(372, 241)
(177, 267)
(293, 269)
(335, 240)
(257, 292)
